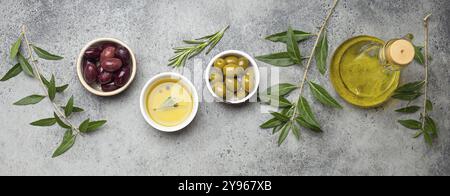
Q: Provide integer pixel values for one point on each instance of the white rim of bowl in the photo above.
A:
(80, 68)
(253, 64)
(195, 98)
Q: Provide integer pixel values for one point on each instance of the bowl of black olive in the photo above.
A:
(106, 66)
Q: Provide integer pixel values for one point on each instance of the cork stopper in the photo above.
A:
(401, 52)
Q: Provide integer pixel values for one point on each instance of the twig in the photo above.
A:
(308, 64)
(425, 20)
(37, 75)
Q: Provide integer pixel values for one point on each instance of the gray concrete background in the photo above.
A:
(223, 140)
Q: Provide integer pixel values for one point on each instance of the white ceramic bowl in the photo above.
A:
(146, 89)
(96, 89)
(252, 64)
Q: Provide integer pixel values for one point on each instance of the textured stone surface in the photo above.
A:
(223, 139)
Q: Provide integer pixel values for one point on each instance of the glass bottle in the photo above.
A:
(365, 70)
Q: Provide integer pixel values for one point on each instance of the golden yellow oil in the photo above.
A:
(173, 114)
(358, 75)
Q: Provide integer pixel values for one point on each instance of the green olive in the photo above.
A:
(231, 60)
(243, 62)
(241, 94)
(219, 89)
(215, 75)
(232, 84)
(219, 63)
(248, 83)
(233, 70)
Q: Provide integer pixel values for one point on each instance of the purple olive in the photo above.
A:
(87, 63)
(123, 54)
(104, 77)
(122, 76)
(107, 53)
(111, 64)
(92, 53)
(90, 73)
(106, 45)
(109, 87)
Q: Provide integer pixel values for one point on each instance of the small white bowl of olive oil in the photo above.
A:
(169, 102)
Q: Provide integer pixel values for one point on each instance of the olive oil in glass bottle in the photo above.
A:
(365, 70)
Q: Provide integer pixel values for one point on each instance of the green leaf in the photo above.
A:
(52, 88)
(275, 101)
(419, 57)
(428, 139)
(68, 110)
(429, 106)
(296, 131)
(280, 117)
(277, 129)
(323, 96)
(60, 89)
(30, 100)
(75, 109)
(13, 72)
(60, 122)
(418, 134)
(411, 124)
(430, 126)
(15, 48)
(282, 89)
(66, 144)
(93, 126)
(306, 113)
(272, 123)
(292, 47)
(45, 81)
(84, 126)
(321, 53)
(26, 67)
(283, 37)
(407, 96)
(282, 59)
(43, 54)
(47, 122)
(411, 87)
(408, 110)
(284, 133)
(311, 126)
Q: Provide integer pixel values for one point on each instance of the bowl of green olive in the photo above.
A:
(232, 77)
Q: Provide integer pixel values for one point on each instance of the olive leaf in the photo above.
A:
(282, 89)
(66, 144)
(429, 106)
(94, 125)
(283, 36)
(323, 96)
(30, 100)
(306, 113)
(47, 122)
(321, 53)
(280, 117)
(84, 126)
(282, 59)
(15, 48)
(407, 96)
(75, 109)
(277, 129)
(408, 110)
(292, 47)
(419, 57)
(68, 110)
(430, 126)
(307, 124)
(296, 131)
(43, 54)
(52, 88)
(411, 124)
(284, 133)
(59, 89)
(411, 87)
(13, 72)
(26, 67)
(272, 123)
(60, 122)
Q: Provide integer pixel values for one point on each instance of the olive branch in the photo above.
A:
(61, 114)
(298, 114)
